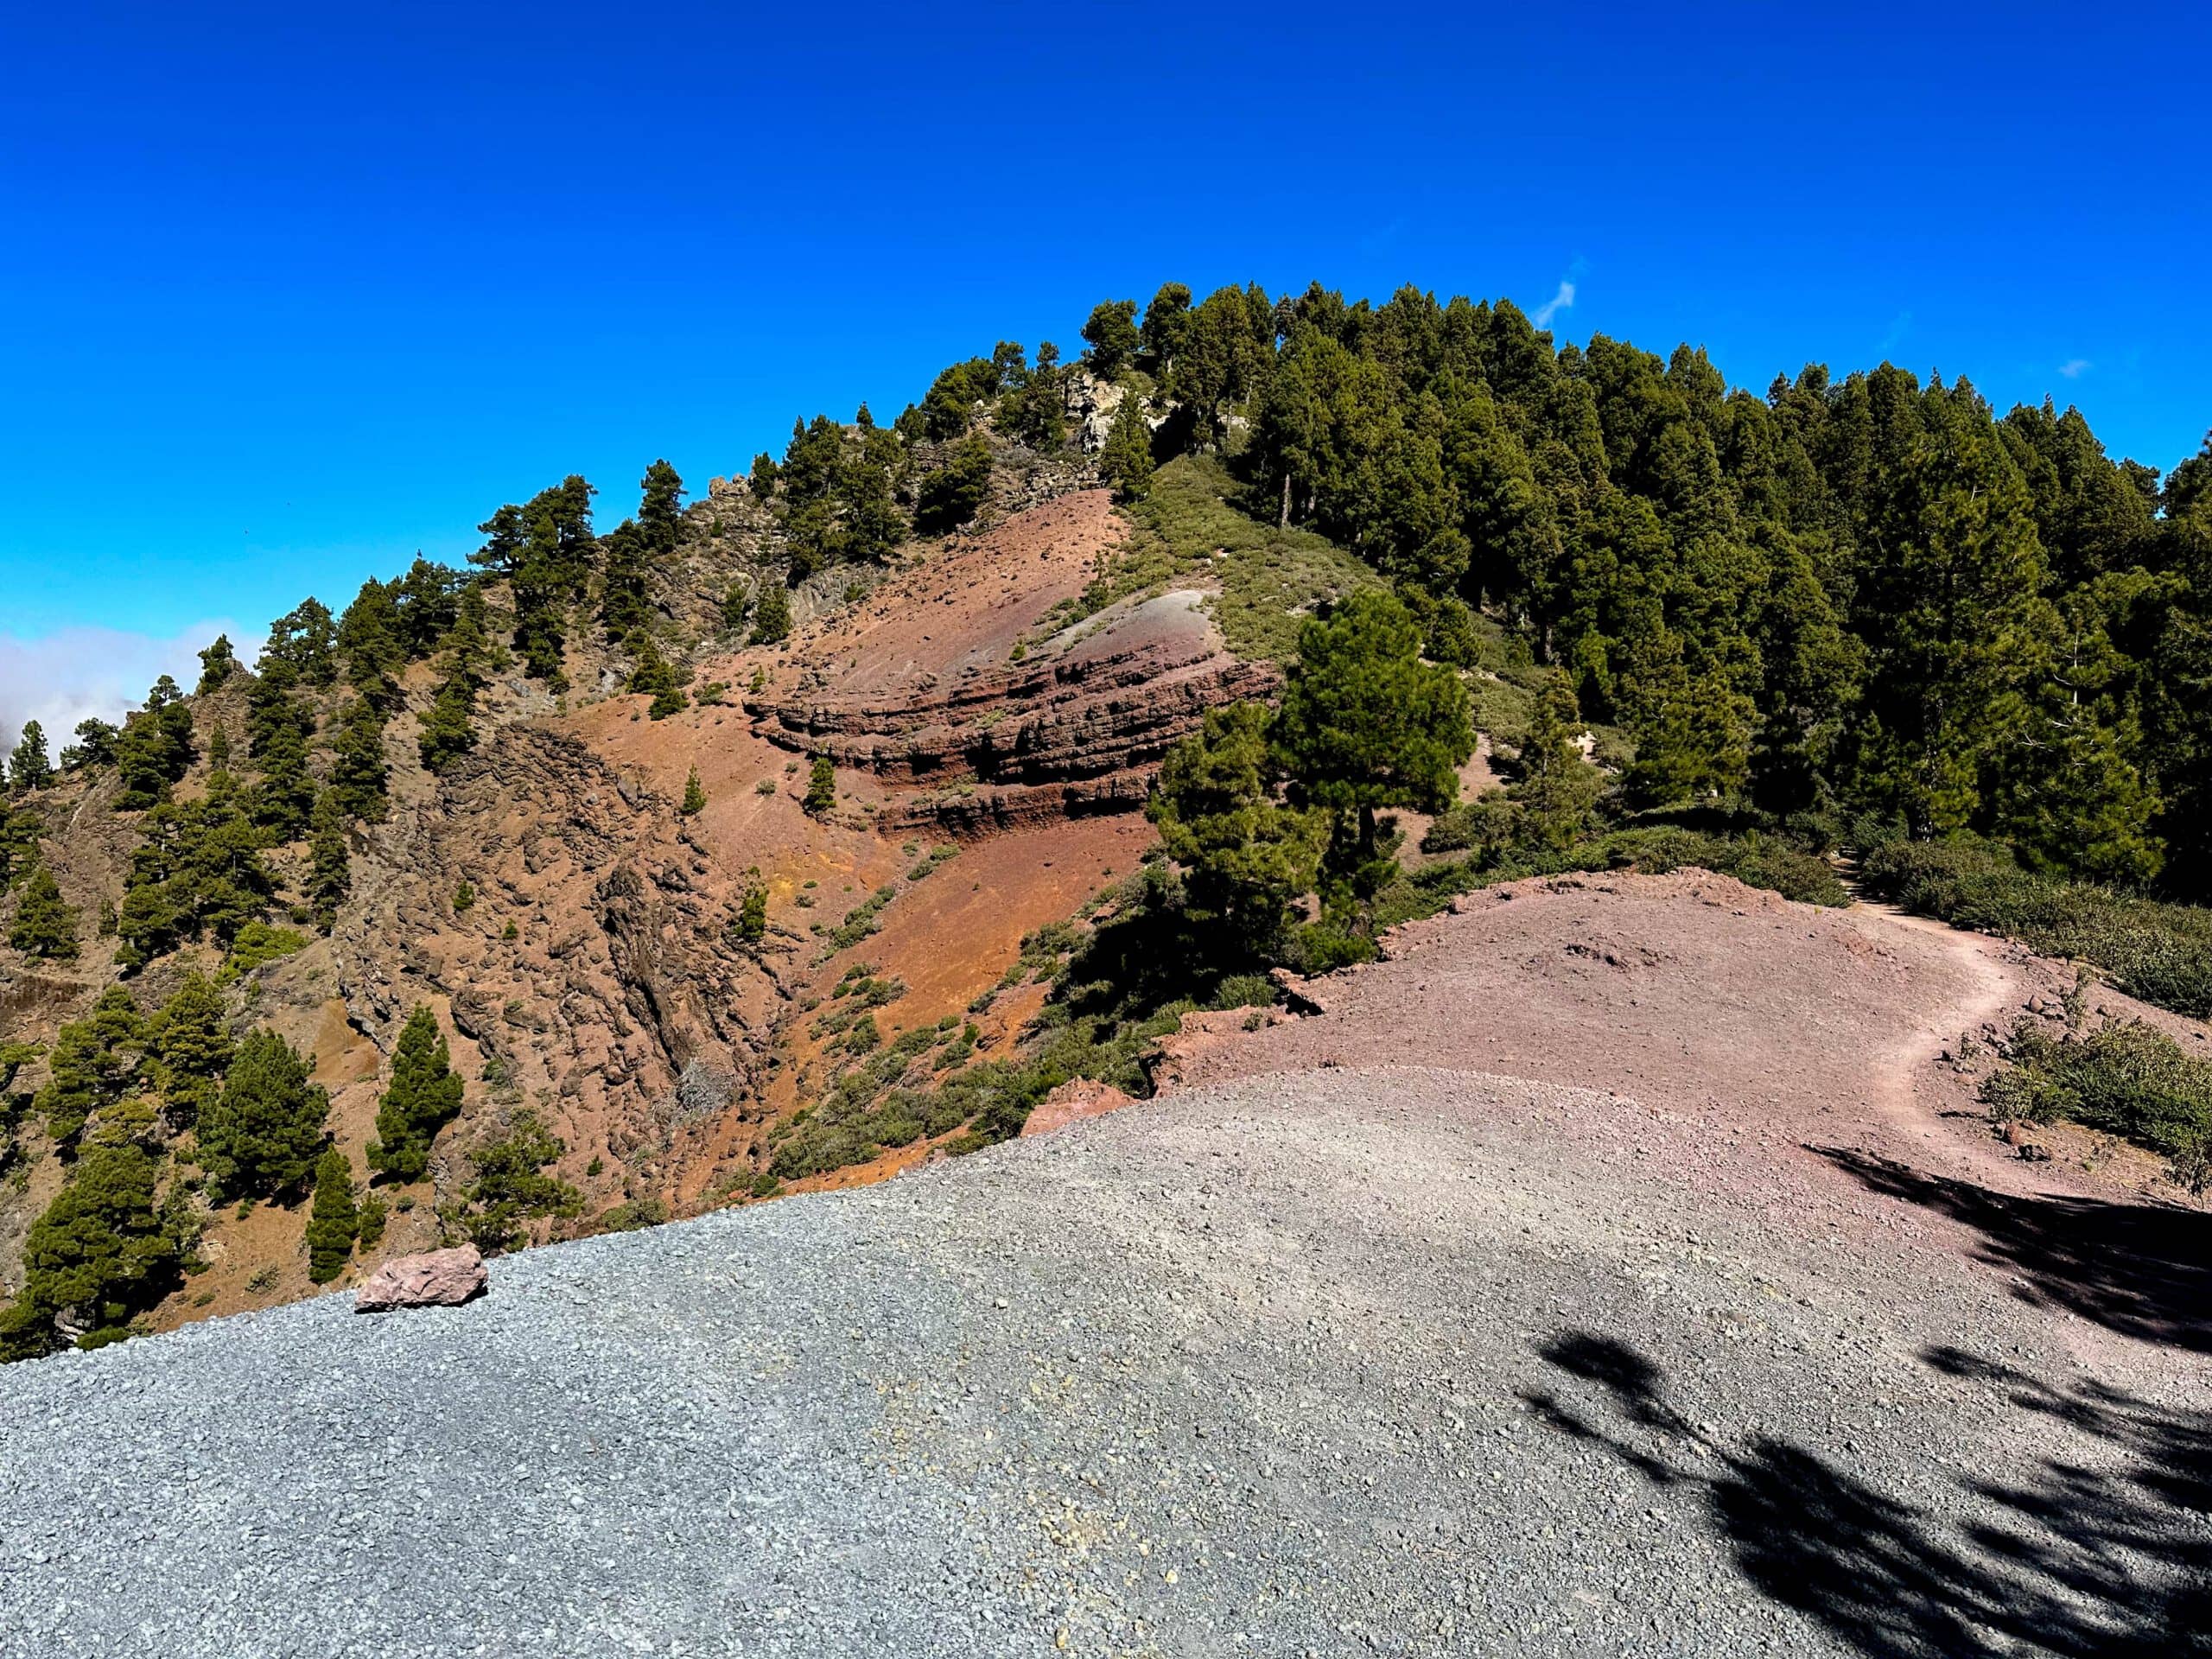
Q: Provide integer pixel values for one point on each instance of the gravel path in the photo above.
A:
(1356, 1361)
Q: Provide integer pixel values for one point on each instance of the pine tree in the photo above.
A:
(27, 767)
(1246, 858)
(659, 508)
(1126, 461)
(189, 1044)
(1365, 724)
(154, 748)
(260, 1137)
(94, 1064)
(330, 874)
(449, 725)
(694, 797)
(217, 664)
(44, 928)
(358, 771)
(424, 601)
(510, 1186)
(1111, 333)
(95, 746)
(654, 675)
(821, 787)
(278, 728)
(20, 829)
(771, 616)
(752, 924)
(424, 1096)
(334, 1220)
(219, 749)
(449, 730)
(370, 640)
(503, 542)
(953, 495)
(622, 600)
(1557, 786)
(99, 1254)
(304, 640)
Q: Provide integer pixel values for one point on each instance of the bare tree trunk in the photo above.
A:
(1284, 522)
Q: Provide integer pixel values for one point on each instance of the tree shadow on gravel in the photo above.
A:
(2142, 1269)
(2105, 1561)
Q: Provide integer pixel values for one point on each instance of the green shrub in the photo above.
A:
(257, 945)
(2126, 1078)
(2160, 952)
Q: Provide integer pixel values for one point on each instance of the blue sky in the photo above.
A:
(289, 293)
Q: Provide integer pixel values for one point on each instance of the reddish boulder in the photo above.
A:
(435, 1279)
(1076, 1099)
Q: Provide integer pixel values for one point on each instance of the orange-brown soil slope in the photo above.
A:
(990, 750)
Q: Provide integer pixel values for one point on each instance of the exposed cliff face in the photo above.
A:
(594, 976)
(970, 684)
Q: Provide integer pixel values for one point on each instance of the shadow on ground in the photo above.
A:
(2142, 1269)
(2112, 1561)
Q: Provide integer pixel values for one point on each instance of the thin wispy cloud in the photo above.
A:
(2075, 367)
(1899, 328)
(73, 674)
(1562, 301)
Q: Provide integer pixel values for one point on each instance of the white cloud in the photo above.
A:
(1562, 301)
(62, 677)
(2075, 367)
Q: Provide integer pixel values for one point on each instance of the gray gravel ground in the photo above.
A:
(1347, 1362)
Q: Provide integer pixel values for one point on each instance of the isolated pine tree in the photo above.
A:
(820, 786)
(217, 664)
(27, 767)
(424, 1096)
(335, 1219)
(44, 928)
(660, 505)
(752, 924)
(260, 1137)
(695, 797)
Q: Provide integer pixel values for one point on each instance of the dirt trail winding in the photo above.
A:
(2002, 980)
(1751, 1046)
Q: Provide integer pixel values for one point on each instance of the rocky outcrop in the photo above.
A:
(1103, 697)
(1073, 1100)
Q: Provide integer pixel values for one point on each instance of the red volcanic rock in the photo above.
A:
(435, 1279)
(1083, 711)
(1074, 1100)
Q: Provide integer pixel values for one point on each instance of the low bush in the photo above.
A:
(2160, 952)
(2125, 1077)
